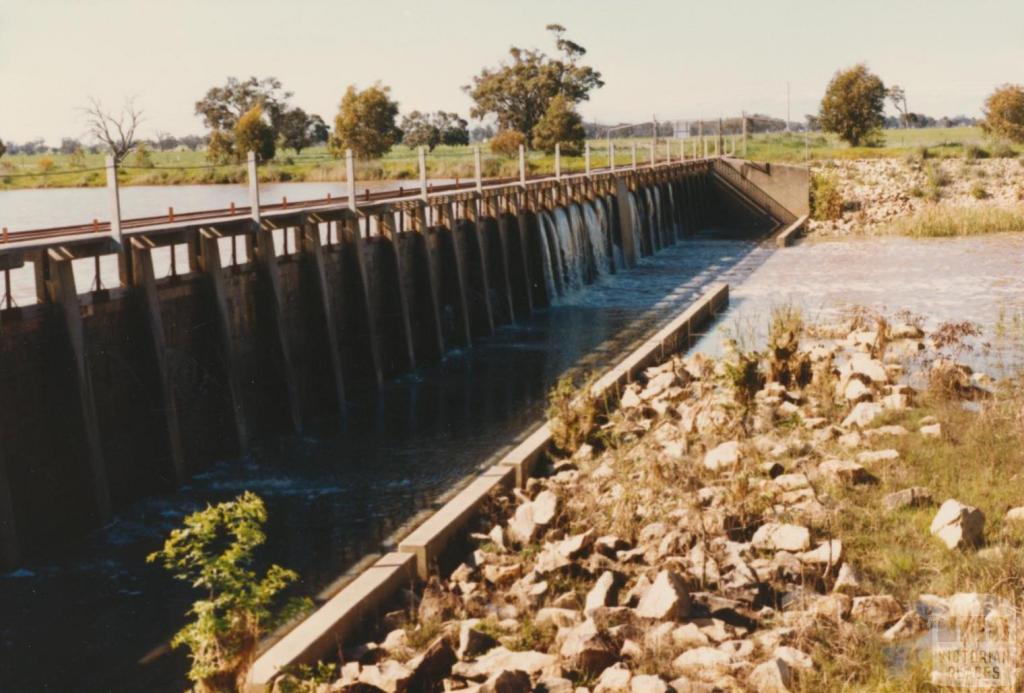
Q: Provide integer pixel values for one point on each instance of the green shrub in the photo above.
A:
(572, 414)
(214, 552)
(826, 200)
(978, 191)
(973, 152)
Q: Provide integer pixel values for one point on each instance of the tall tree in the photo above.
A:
(518, 92)
(115, 130)
(254, 134)
(898, 97)
(3, 148)
(298, 130)
(365, 123)
(429, 130)
(68, 145)
(560, 125)
(854, 104)
(1004, 113)
(221, 107)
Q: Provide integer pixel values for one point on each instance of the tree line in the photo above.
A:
(853, 108)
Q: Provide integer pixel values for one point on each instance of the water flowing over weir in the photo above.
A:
(422, 318)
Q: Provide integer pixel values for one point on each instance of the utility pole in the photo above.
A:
(787, 107)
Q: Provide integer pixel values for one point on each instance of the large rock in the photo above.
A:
(869, 368)
(844, 472)
(614, 679)
(725, 456)
(772, 676)
(522, 527)
(601, 593)
(388, 676)
(912, 497)
(774, 536)
(502, 659)
(958, 525)
(702, 659)
(508, 681)
(647, 683)
(473, 642)
(431, 667)
(666, 599)
(875, 456)
(880, 610)
(862, 415)
(588, 649)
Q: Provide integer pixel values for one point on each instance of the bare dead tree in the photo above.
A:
(116, 131)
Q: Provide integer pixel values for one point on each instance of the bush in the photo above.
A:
(973, 152)
(1004, 113)
(937, 178)
(254, 134)
(141, 156)
(560, 125)
(214, 552)
(978, 191)
(1002, 150)
(507, 142)
(826, 201)
(572, 414)
(46, 164)
(365, 123)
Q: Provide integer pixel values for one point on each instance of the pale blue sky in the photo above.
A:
(673, 58)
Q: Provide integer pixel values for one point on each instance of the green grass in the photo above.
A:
(937, 142)
(448, 162)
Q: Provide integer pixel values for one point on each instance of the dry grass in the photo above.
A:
(945, 221)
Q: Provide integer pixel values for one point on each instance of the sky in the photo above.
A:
(673, 59)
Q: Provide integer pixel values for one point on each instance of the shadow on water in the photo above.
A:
(88, 619)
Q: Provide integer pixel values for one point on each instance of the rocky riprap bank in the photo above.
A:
(685, 540)
(878, 192)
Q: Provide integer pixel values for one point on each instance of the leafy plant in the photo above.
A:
(853, 106)
(214, 552)
(826, 200)
(572, 414)
(1004, 113)
(507, 142)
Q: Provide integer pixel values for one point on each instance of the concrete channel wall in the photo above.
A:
(357, 604)
(264, 322)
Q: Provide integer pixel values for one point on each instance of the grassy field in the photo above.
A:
(186, 167)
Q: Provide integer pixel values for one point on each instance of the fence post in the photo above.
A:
(478, 169)
(350, 176)
(558, 160)
(744, 134)
(634, 155)
(254, 187)
(522, 165)
(611, 156)
(654, 152)
(115, 200)
(421, 154)
(586, 157)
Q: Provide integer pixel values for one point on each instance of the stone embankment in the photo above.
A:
(876, 192)
(688, 544)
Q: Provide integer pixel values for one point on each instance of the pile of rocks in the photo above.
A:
(875, 192)
(688, 547)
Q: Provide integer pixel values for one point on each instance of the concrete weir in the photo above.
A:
(271, 317)
(361, 600)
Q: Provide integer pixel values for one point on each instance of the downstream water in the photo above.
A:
(97, 617)
(943, 280)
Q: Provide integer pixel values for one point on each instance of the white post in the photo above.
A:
(422, 154)
(586, 157)
(115, 200)
(350, 177)
(654, 153)
(558, 160)
(254, 188)
(668, 150)
(611, 155)
(522, 165)
(634, 155)
(478, 169)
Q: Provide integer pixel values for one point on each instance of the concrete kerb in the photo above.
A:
(343, 614)
(789, 235)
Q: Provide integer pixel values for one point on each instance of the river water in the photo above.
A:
(96, 618)
(98, 615)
